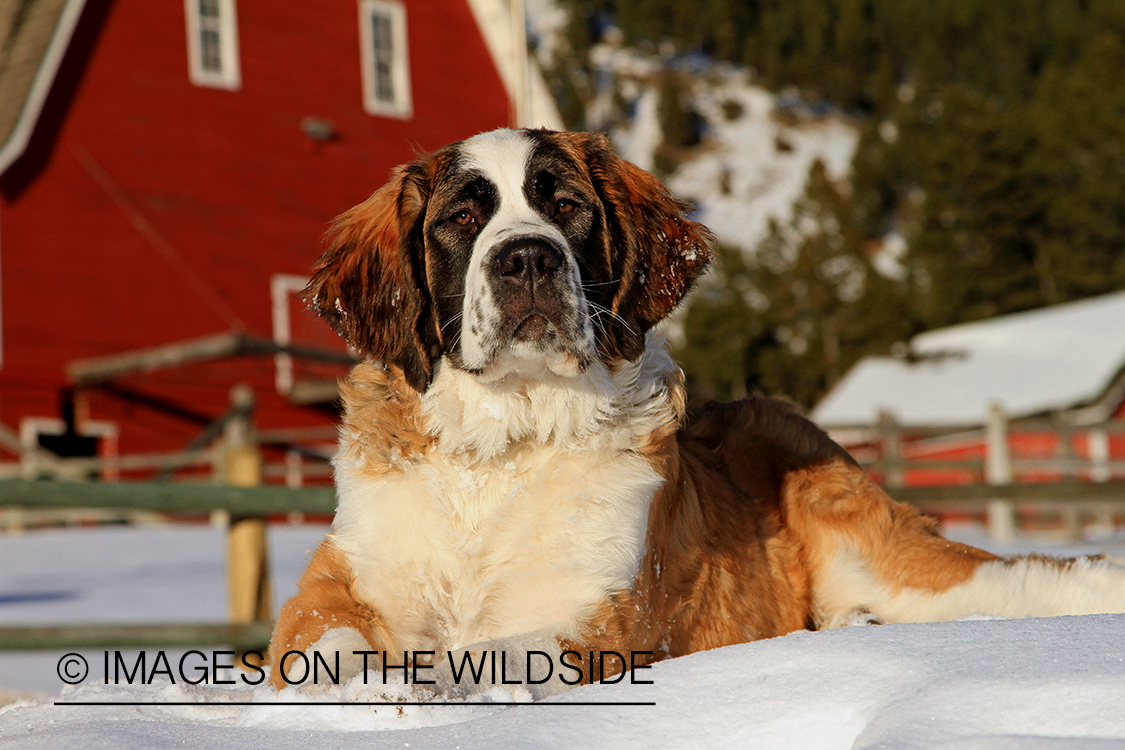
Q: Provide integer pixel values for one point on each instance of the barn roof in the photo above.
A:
(1062, 357)
(34, 35)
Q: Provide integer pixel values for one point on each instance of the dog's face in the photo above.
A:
(511, 251)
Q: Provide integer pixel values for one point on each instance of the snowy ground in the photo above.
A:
(1039, 683)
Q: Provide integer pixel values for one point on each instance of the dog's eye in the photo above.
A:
(545, 183)
(565, 206)
(462, 217)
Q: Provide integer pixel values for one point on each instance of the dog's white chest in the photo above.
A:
(451, 554)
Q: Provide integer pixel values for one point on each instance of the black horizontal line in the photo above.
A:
(347, 703)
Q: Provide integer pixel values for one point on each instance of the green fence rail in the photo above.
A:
(253, 636)
(167, 497)
(201, 497)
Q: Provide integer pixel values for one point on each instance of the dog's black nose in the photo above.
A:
(528, 261)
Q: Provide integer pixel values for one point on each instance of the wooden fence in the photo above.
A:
(1000, 479)
(250, 625)
(235, 493)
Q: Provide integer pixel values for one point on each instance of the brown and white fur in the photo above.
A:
(518, 464)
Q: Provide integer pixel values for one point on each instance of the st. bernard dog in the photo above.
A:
(519, 467)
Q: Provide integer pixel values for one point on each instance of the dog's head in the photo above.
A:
(513, 250)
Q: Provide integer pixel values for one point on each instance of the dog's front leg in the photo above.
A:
(530, 661)
(541, 662)
(323, 632)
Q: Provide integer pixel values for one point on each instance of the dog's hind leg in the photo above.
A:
(868, 552)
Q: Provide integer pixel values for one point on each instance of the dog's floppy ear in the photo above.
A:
(656, 252)
(369, 285)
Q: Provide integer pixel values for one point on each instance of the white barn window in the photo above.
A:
(212, 27)
(385, 58)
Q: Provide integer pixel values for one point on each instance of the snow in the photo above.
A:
(639, 141)
(754, 162)
(1052, 358)
(997, 684)
(888, 258)
(765, 161)
(546, 22)
(753, 166)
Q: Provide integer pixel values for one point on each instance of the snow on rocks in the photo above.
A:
(757, 153)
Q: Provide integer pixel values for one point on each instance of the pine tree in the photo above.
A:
(1006, 178)
(791, 319)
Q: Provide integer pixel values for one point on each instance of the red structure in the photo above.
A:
(148, 203)
(1037, 451)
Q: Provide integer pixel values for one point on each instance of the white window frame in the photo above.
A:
(229, 74)
(282, 288)
(400, 104)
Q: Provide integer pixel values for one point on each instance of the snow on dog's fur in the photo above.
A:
(518, 467)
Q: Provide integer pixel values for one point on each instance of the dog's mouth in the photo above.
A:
(537, 339)
(534, 328)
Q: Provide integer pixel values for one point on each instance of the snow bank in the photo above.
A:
(1038, 683)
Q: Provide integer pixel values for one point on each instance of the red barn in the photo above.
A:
(162, 164)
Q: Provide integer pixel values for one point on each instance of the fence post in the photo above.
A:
(1000, 514)
(1071, 521)
(1098, 452)
(891, 433)
(1097, 441)
(294, 478)
(248, 578)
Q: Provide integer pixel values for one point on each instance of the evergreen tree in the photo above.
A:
(818, 305)
(1004, 170)
(721, 328)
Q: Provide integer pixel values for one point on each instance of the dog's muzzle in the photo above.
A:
(530, 283)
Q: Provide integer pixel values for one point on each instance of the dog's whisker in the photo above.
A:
(456, 318)
(591, 284)
(601, 310)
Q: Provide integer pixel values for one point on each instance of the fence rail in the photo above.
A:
(974, 495)
(245, 637)
(890, 448)
(245, 504)
(201, 498)
(179, 497)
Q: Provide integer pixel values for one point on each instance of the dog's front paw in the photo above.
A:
(335, 658)
(851, 618)
(509, 669)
